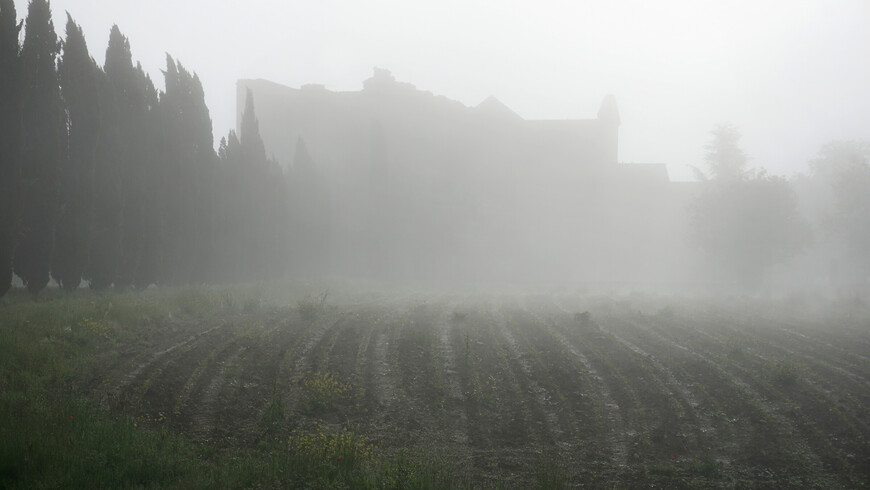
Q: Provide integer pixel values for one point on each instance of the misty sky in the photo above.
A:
(791, 75)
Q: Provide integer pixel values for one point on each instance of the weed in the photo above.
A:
(785, 374)
(323, 391)
(320, 443)
(709, 469)
(198, 302)
(584, 319)
(274, 417)
(662, 470)
(97, 328)
(310, 308)
(549, 473)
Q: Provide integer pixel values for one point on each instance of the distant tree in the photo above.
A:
(44, 147)
(842, 170)
(725, 159)
(231, 241)
(252, 157)
(79, 75)
(264, 203)
(10, 138)
(252, 146)
(837, 157)
(309, 217)
(745, 221)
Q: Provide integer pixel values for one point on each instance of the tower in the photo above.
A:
(608, 120)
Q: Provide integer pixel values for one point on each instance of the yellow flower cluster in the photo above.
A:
(97, 328)
(324, 444)
(323, 389)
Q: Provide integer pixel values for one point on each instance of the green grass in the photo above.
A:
(52, 436)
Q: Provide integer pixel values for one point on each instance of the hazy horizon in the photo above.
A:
(789, 78)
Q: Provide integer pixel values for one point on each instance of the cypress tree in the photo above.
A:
(308, 215)
(148, 145)
(178, 174)
(171, 178)
(202, 140)
(44, 147)
(79, 74)
(108, 203)
(10, 141)
(253, 149)
(231, 240)
(253, 158)
(127, 86)
(134, 96)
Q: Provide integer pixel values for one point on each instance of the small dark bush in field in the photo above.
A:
(323, 391)
(785, 374)
(309, 308)
(274, 417)
(251, 303)
(712, 470)
(584, 319)
(735, 349)
(664, 470)
(549, 473)
(666, 313)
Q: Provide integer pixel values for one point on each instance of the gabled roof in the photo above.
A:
(495, 108)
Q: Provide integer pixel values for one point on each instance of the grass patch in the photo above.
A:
(709, 469)
(52, 436)
(662, 470)
(550, 472)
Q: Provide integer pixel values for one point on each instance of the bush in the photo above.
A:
(785, 374)
(310, 308)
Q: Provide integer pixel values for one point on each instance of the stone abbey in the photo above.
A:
(394, 182)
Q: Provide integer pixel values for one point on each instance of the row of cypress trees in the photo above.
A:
(103, 177)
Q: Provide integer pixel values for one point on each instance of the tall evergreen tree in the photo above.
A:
(134, 94)
(252, 146)
(44, 147)
(252, 154)
(10, 134)
(127, 86)
(150, 222)
(205, 160)
(725, 159)
(231, 240)
(189, 162)
(309, 217)
(79, 75)
(105, 254)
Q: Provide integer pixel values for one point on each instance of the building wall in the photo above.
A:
(422, 186)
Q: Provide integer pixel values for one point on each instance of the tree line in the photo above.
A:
(746, 222)
(106, 178)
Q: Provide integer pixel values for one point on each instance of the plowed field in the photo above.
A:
(521, 389)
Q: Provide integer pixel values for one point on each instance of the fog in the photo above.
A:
(790, 77)
(420, 186)
(623, 145)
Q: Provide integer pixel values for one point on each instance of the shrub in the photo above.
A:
(310, 308)
(323, 390)
(785, 374)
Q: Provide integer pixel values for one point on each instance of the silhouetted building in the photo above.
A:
(421, 186)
